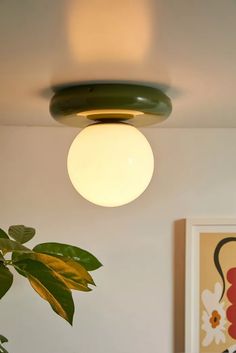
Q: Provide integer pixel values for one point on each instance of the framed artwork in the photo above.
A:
(210, 309)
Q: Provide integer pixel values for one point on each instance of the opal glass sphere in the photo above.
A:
(110, 164)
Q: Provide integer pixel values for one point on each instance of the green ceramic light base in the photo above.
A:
(136, 104)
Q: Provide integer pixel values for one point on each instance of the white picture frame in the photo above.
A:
(192, 299)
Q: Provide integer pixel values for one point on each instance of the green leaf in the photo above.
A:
(7, 245)
(21, 233)
(75, 275)
(3, 339)
(2, 349)
(49, 286)
(6, 279)
(86, 259)
(15, 256)
(77, 270)
(3, 234)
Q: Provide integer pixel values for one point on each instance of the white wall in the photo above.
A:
(131, 310)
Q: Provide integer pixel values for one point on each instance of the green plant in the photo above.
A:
(52, 269)
(3, 340)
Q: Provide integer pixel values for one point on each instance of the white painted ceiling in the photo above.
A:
(186, 47)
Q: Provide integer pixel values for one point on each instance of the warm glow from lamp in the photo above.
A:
(110, 164)
(113, 31)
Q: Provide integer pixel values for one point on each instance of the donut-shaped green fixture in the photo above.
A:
(110, 102)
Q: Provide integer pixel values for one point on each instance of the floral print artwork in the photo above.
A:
(218, 294)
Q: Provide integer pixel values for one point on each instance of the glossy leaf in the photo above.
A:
(71, 281)
(3, 234)
(6, 279)
(2, 349)
(75, 276)
(49, 286)
(86, 259)
(7, 245)
(3, 339)
(21, 233)
(15, 256)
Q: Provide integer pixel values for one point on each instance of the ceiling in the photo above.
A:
(186, 47)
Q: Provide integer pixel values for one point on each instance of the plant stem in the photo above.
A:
(8, 262)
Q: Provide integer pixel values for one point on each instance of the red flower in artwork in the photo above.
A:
(231, 294)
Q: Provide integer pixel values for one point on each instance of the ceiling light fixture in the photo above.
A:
(110, 163)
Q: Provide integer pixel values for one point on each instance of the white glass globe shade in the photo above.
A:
(110, 164)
